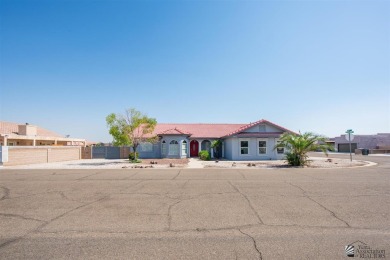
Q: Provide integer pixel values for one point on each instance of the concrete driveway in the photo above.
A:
(194, 213)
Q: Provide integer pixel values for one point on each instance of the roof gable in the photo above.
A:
(247, 127)
(174, 131)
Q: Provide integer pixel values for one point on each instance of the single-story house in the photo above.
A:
(253, 141)
(14, 134)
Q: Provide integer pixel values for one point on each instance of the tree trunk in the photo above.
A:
(135, 152)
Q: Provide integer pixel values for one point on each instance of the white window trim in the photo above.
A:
(266, 146)
(185, 150)
(239, 146)
(170, 150)
(164, 145)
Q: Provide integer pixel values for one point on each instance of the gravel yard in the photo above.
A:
(105, 164)
(166, 161)
(316, 162)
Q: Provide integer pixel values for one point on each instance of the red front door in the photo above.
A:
(194, 148)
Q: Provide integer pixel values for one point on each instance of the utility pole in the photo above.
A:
(350, 132)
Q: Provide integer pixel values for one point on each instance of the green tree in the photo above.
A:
(131, 129)
(299, 145)
(216, 145)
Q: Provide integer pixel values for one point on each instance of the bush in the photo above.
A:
(294, 159)
(204, 155)
(132, 156)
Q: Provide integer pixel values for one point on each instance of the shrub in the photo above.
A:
(204, 155)
(132, 156)
(293, 159)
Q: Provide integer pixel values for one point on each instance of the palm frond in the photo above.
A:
(300, 145)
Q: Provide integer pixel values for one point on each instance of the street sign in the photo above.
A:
(349, 137)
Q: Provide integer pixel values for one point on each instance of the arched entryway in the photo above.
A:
(194, 148)
(206, 146)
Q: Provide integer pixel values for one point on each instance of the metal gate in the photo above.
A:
(106, 152)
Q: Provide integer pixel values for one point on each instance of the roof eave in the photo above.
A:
(174, 134)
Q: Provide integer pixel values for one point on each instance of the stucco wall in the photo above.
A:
(19, 155)
(3, 154)
(157, 148)
(179, 139)
(235, 155)
(228, 146)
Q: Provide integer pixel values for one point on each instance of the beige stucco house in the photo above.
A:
(13, 134)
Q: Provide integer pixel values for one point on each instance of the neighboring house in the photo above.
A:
(378, 141)
(254, 141)
(13, 134)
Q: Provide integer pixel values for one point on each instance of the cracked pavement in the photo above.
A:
(193, 213)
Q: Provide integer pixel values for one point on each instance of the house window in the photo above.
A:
(164, 147)
(262, 145)
(184, 148)
(244, 147)
(173, 148)
(279, 150)
(146, 147)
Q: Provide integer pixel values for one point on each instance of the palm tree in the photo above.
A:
(299, 145)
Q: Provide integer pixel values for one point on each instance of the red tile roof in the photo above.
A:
(208, 130)
(197, 130)
(174, 131)
(12, 128)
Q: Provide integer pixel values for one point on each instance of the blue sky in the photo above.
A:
(321, 66)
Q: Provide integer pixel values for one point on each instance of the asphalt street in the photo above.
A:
(194, 213)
